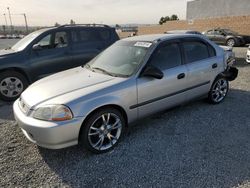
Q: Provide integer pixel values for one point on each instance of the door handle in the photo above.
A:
(214, 66)
(181, 76)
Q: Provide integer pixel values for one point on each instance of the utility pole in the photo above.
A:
(26, 23)
(6, 23)
(11, 26)
(5, 27)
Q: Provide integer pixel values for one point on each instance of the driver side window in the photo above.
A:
(166, 56)
(46, 42)
(51, 41)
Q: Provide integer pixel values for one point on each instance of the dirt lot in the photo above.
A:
(196, 145)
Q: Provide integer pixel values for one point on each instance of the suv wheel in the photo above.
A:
(218, 90)
(103, 130)
(12, 84)
(231, 42)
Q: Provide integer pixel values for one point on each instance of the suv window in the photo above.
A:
(61, 40)
(88, 36)
(74, 36)
(45, 42)
(104, 34)
(195, 51)
(166, 56)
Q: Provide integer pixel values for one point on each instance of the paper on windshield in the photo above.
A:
(143, 44)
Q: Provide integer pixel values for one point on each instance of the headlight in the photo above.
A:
(53, 113)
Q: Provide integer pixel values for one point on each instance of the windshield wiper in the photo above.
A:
(104, 71)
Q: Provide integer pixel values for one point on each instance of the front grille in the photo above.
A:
(23, 106)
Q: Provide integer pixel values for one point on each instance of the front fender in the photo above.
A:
(87, 107)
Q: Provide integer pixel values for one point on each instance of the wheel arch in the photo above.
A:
(216, 77)
(115, 106)
(19, 70)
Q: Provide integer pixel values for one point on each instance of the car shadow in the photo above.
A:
(6, 112)
(195, 145)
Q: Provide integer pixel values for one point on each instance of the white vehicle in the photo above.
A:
(248, 55)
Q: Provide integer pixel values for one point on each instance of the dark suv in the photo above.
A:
(227, 37)
(48, 51)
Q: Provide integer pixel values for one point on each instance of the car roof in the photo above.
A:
(77, 26)
(158, 37)
(181, 31)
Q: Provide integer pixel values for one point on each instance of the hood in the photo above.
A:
(6, 52)
(63, 83)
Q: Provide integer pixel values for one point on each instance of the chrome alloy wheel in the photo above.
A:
(105, 131)
(219, 90)
(11, 87)
(231, 42)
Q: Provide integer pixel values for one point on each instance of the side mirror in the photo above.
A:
(37, 47)
(151, 71)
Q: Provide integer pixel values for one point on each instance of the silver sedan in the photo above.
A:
(132, 79)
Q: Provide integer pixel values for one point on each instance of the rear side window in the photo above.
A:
(218, 32)
(166, 56)
(91, 35)
(84, 35)
(195, 51)
(88, 36)
(74, 36)
(104, 35)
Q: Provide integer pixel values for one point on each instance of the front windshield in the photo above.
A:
(23, 43)
(228, 31)
(121, 59)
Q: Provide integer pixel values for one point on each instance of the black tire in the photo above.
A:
(215, 91)
(86, 139)
(21, 86)
(231, 42)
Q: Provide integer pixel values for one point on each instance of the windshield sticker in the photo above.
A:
(143, 44)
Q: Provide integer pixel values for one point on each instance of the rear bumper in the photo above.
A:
(230, 73)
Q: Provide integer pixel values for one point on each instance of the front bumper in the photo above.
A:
(52, 135)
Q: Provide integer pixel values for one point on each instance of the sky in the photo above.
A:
(48, 12)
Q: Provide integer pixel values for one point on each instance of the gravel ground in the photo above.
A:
(195, 145)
